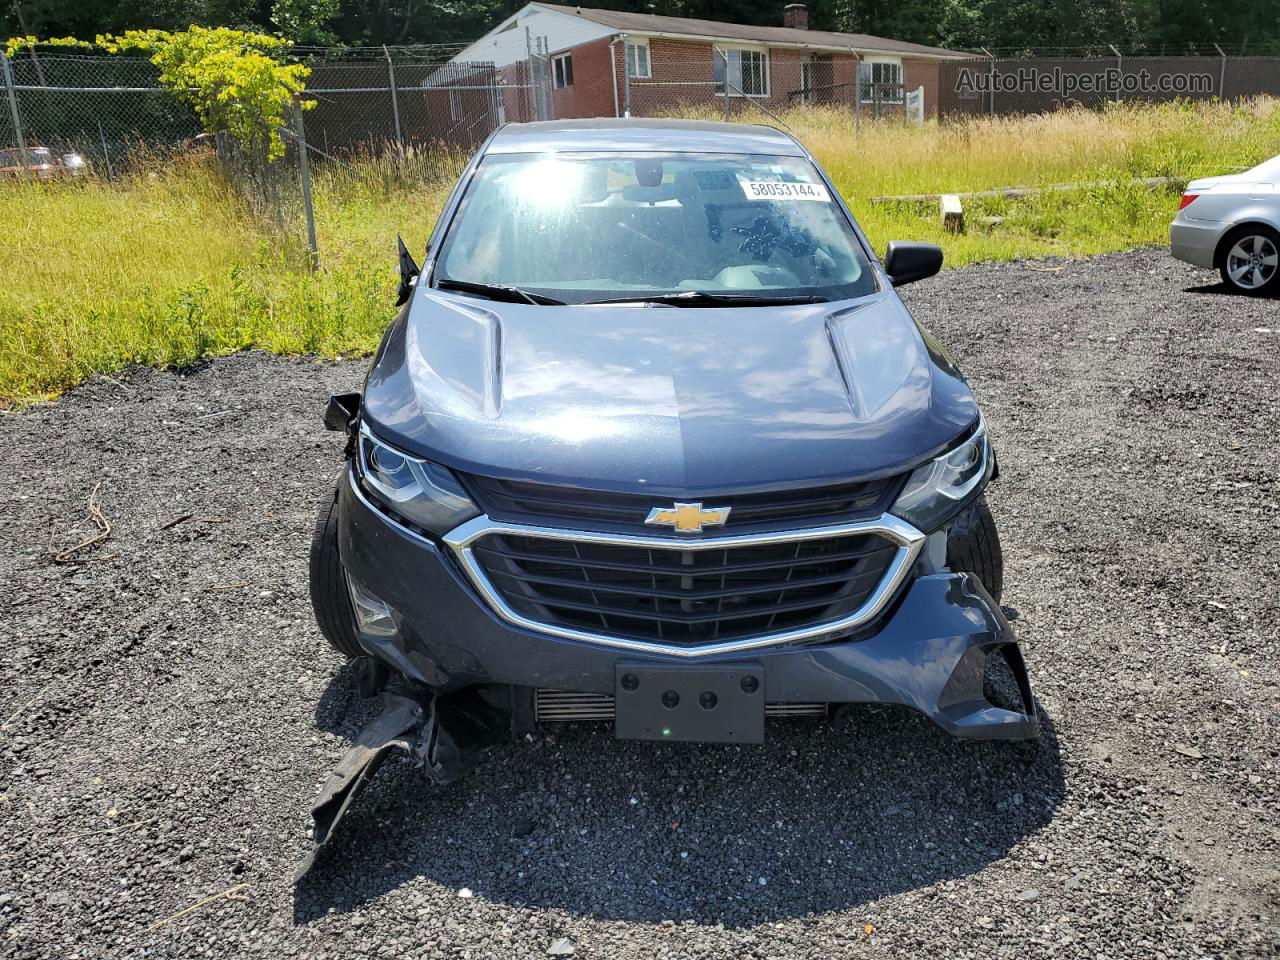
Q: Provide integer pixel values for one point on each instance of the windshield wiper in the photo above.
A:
(706, 298)
(498, 291)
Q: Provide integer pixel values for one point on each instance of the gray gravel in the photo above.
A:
(169, 709)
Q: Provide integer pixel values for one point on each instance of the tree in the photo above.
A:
(306, 22)
(1004, 25)
(88, 18)
(231, 78)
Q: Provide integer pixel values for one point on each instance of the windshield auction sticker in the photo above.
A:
(784, 190)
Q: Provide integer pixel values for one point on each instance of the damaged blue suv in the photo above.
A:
(653, 440)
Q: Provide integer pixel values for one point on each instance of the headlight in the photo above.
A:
(936, 491)
(419, 491)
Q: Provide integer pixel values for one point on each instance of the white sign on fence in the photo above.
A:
(915, 105)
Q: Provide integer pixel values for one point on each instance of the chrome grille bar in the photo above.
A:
(464, 540)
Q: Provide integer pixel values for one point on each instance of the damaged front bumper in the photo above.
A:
(442, 734)
(928, 652)
(931, 651)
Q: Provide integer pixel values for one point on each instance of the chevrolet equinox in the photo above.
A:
(654, 440)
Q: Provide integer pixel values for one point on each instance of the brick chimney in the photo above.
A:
(796, 16)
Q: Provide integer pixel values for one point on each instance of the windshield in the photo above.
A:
(583, 228)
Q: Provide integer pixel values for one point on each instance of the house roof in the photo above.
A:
(719, 30)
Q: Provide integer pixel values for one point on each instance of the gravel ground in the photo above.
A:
(169, 708)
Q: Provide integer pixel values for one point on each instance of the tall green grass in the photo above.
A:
(172, 264)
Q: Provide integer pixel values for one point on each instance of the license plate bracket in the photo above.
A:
(711, 703)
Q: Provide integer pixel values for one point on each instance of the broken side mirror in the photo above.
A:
(909, 262)
(408, 274)
(341, 411)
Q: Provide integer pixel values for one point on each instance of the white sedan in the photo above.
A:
(1233, 223)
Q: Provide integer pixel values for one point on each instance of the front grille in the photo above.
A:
(524, 501)
(681, 596)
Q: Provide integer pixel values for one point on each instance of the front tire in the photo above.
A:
(1250, 260)
(329, 597)
(973, 546)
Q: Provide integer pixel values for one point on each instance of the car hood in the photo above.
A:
(673, 400)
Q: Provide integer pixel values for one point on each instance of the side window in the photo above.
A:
(562, 71)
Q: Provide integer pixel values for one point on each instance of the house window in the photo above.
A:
(638, 59)
(562, 70)
(741, 72)
(880, 82)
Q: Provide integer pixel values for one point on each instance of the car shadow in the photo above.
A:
(823, 816)
(1218, 289)
(341, 709)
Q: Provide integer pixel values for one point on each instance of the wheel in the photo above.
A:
(1250, 260)
(973, 546)
(329, 598)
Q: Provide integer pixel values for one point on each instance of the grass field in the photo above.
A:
(171, 266)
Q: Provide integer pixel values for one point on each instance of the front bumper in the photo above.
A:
(929, 652)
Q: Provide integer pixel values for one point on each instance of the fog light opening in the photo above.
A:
(373, 616)
(1004, 680)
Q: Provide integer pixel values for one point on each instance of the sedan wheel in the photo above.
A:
(1252, 260)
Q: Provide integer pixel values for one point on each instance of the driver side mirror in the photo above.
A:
(909, 262)
(408, 274)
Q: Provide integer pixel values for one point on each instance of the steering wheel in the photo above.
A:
(766, 234)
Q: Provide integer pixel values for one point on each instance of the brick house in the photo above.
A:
(612, 63)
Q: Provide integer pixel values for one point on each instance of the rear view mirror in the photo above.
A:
(909, 262)
(408, 274)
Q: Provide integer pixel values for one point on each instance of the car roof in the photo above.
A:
(613, 135)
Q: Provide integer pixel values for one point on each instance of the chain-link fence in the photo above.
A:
(66, 115)
(364, 104)
(662, 77)
(102, 109)
(402, 115)
(108, 110)
(1028, 84)
(111, 110)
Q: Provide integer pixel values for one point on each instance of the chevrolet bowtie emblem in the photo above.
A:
(687, 517)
